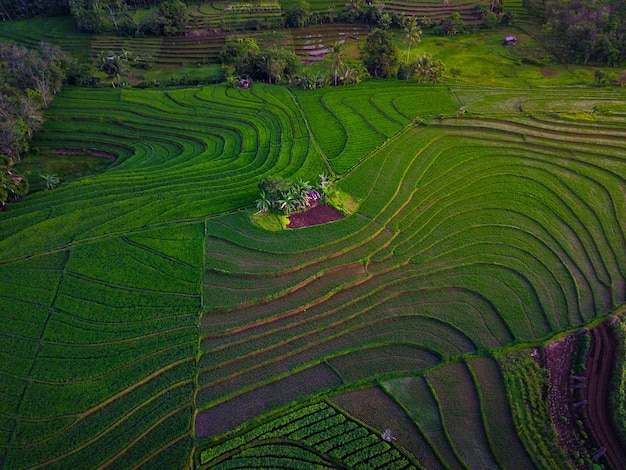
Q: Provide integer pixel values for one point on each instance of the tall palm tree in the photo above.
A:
(337, 60)
(264, 203)
(331, 15)
(355, 8)
(50, 181)
(413, 35)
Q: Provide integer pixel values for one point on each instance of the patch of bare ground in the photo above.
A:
(579, 404)
(63, 152)
(315, 215)
(549, 72)
(558, 360)
(599, 366)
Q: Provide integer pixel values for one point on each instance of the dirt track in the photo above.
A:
(599, 366)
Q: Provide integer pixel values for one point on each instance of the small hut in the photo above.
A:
(509, 41)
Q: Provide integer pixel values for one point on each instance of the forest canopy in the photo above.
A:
(584, 31)
(29, 78)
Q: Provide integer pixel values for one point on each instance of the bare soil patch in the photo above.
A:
(62, 152)
(316, 215)
(558, 360)
(585, 399)
(598, 375)
(549, 72)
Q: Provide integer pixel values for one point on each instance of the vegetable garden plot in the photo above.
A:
(378, 410)
(279, 443)
(220, 416)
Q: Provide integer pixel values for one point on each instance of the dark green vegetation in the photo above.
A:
(29, 79)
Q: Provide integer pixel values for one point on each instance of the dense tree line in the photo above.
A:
(585, 31)
(166, 17)
(29, 78)
(242, 57)
(15, 9)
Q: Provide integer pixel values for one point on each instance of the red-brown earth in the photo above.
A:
(316, 215)
(572, 399)
(598, 372)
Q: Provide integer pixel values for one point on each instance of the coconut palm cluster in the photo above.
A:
(288, 196)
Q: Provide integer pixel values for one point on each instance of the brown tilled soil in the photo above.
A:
(316, 215)
(92, 153)
(572, 399)
(598, 374)
(558, 360)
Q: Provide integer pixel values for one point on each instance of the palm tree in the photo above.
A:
(51, 181)
(355, 8)
(331, 15)
(413, 35)
(287, 202)
(351, 76)
(337, 60)
(263, 204)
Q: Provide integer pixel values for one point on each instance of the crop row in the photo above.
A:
(526, 383)
(347, 130)
(273, 456)
(317, 411)
(315, 433)
(109, 429)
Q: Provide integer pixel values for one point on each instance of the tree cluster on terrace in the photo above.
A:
(288, 196)
(15, 9)
(167, 17)
(493, 14)
(242, 58)
(584, 31)
(29, 78)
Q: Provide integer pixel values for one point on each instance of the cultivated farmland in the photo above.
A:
(145, 315)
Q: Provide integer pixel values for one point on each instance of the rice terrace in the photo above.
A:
(293, 235)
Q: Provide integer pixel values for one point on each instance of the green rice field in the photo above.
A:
(148, 322)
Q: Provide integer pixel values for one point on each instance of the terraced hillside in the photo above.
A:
(144, 314)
